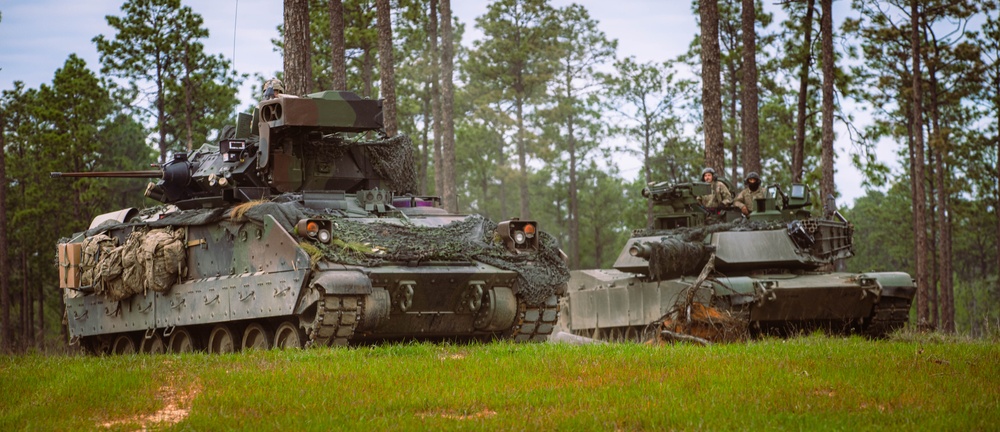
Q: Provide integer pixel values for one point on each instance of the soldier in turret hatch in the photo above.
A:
(746, 198)
(272, 89)
(720, 196)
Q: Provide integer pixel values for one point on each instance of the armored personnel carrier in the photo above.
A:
(719, 276)
(301, 227)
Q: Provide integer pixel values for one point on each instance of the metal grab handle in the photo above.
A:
(213, 300)
(250, 294)
(279, 293)
(146, 310)
(81, 317)
(179, 304)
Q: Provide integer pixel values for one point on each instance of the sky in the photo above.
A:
(37, 36)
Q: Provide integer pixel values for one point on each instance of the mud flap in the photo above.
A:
(342, 282)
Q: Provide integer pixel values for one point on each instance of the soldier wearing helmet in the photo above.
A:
(273, 88)
(746, 198)
(720, 196)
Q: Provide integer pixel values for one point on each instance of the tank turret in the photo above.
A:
(717, 274)
(778, 233)
(290, 144)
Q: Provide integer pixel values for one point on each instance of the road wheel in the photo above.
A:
(289, 335)
(153, 345)
(182, 341)
(256, 337)
(221, 340)
(124, 345)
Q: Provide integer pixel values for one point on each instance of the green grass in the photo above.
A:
(814, 383)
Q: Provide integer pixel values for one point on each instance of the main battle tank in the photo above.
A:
(301, 227)
(705, 276)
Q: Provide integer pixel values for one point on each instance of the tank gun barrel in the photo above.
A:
(111, 174)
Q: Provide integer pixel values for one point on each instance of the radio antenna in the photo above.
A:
(235, 20)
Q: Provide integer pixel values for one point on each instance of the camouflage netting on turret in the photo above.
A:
(683, 252)
(368, 243)
(393, 161)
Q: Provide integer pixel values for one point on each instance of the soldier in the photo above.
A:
(720, 196)
(749, 194)
(273, 88)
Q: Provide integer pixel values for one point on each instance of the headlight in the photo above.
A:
(315, 229)
(519, 237)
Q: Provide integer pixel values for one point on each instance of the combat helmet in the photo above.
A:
(272, 88)
(708, 170)
(753, 185)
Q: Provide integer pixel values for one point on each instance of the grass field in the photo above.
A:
(808, 383)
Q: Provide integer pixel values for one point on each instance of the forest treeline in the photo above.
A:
(533, 120)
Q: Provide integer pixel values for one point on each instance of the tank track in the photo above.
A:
(336, 318)
(890, 314)
(535, 323)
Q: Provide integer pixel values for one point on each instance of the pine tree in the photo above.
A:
(337, 45)
(749, 101)
(297, 53)
(711, 93)
(386, 67)
(448, 187)
(583, 47)
(516, 59)
(157, 45)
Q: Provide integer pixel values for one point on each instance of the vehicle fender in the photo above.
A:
(895, 284)
(342, 282)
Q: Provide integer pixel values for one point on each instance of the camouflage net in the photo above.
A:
(540, 273)
(682, 251)
(393, 161)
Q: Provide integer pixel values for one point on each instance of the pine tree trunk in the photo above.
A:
(161, 112)
(449, 191)
(40, 332)
(751, 143)
(188, 103)
(522, 160)
(367, 72)
(711, 90)
(647, 163)
(996, 208)
(598, 247)
(734, 133)
(426, 146)
(26, 321)
(933, 267)
(799, 152)
(5, 333)
(386, 67)
(432, 33)
(504, 205)
(574, 202)
(919, 196)
(827, 188)
(337, 43)
(298, 68)
(945, 318)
